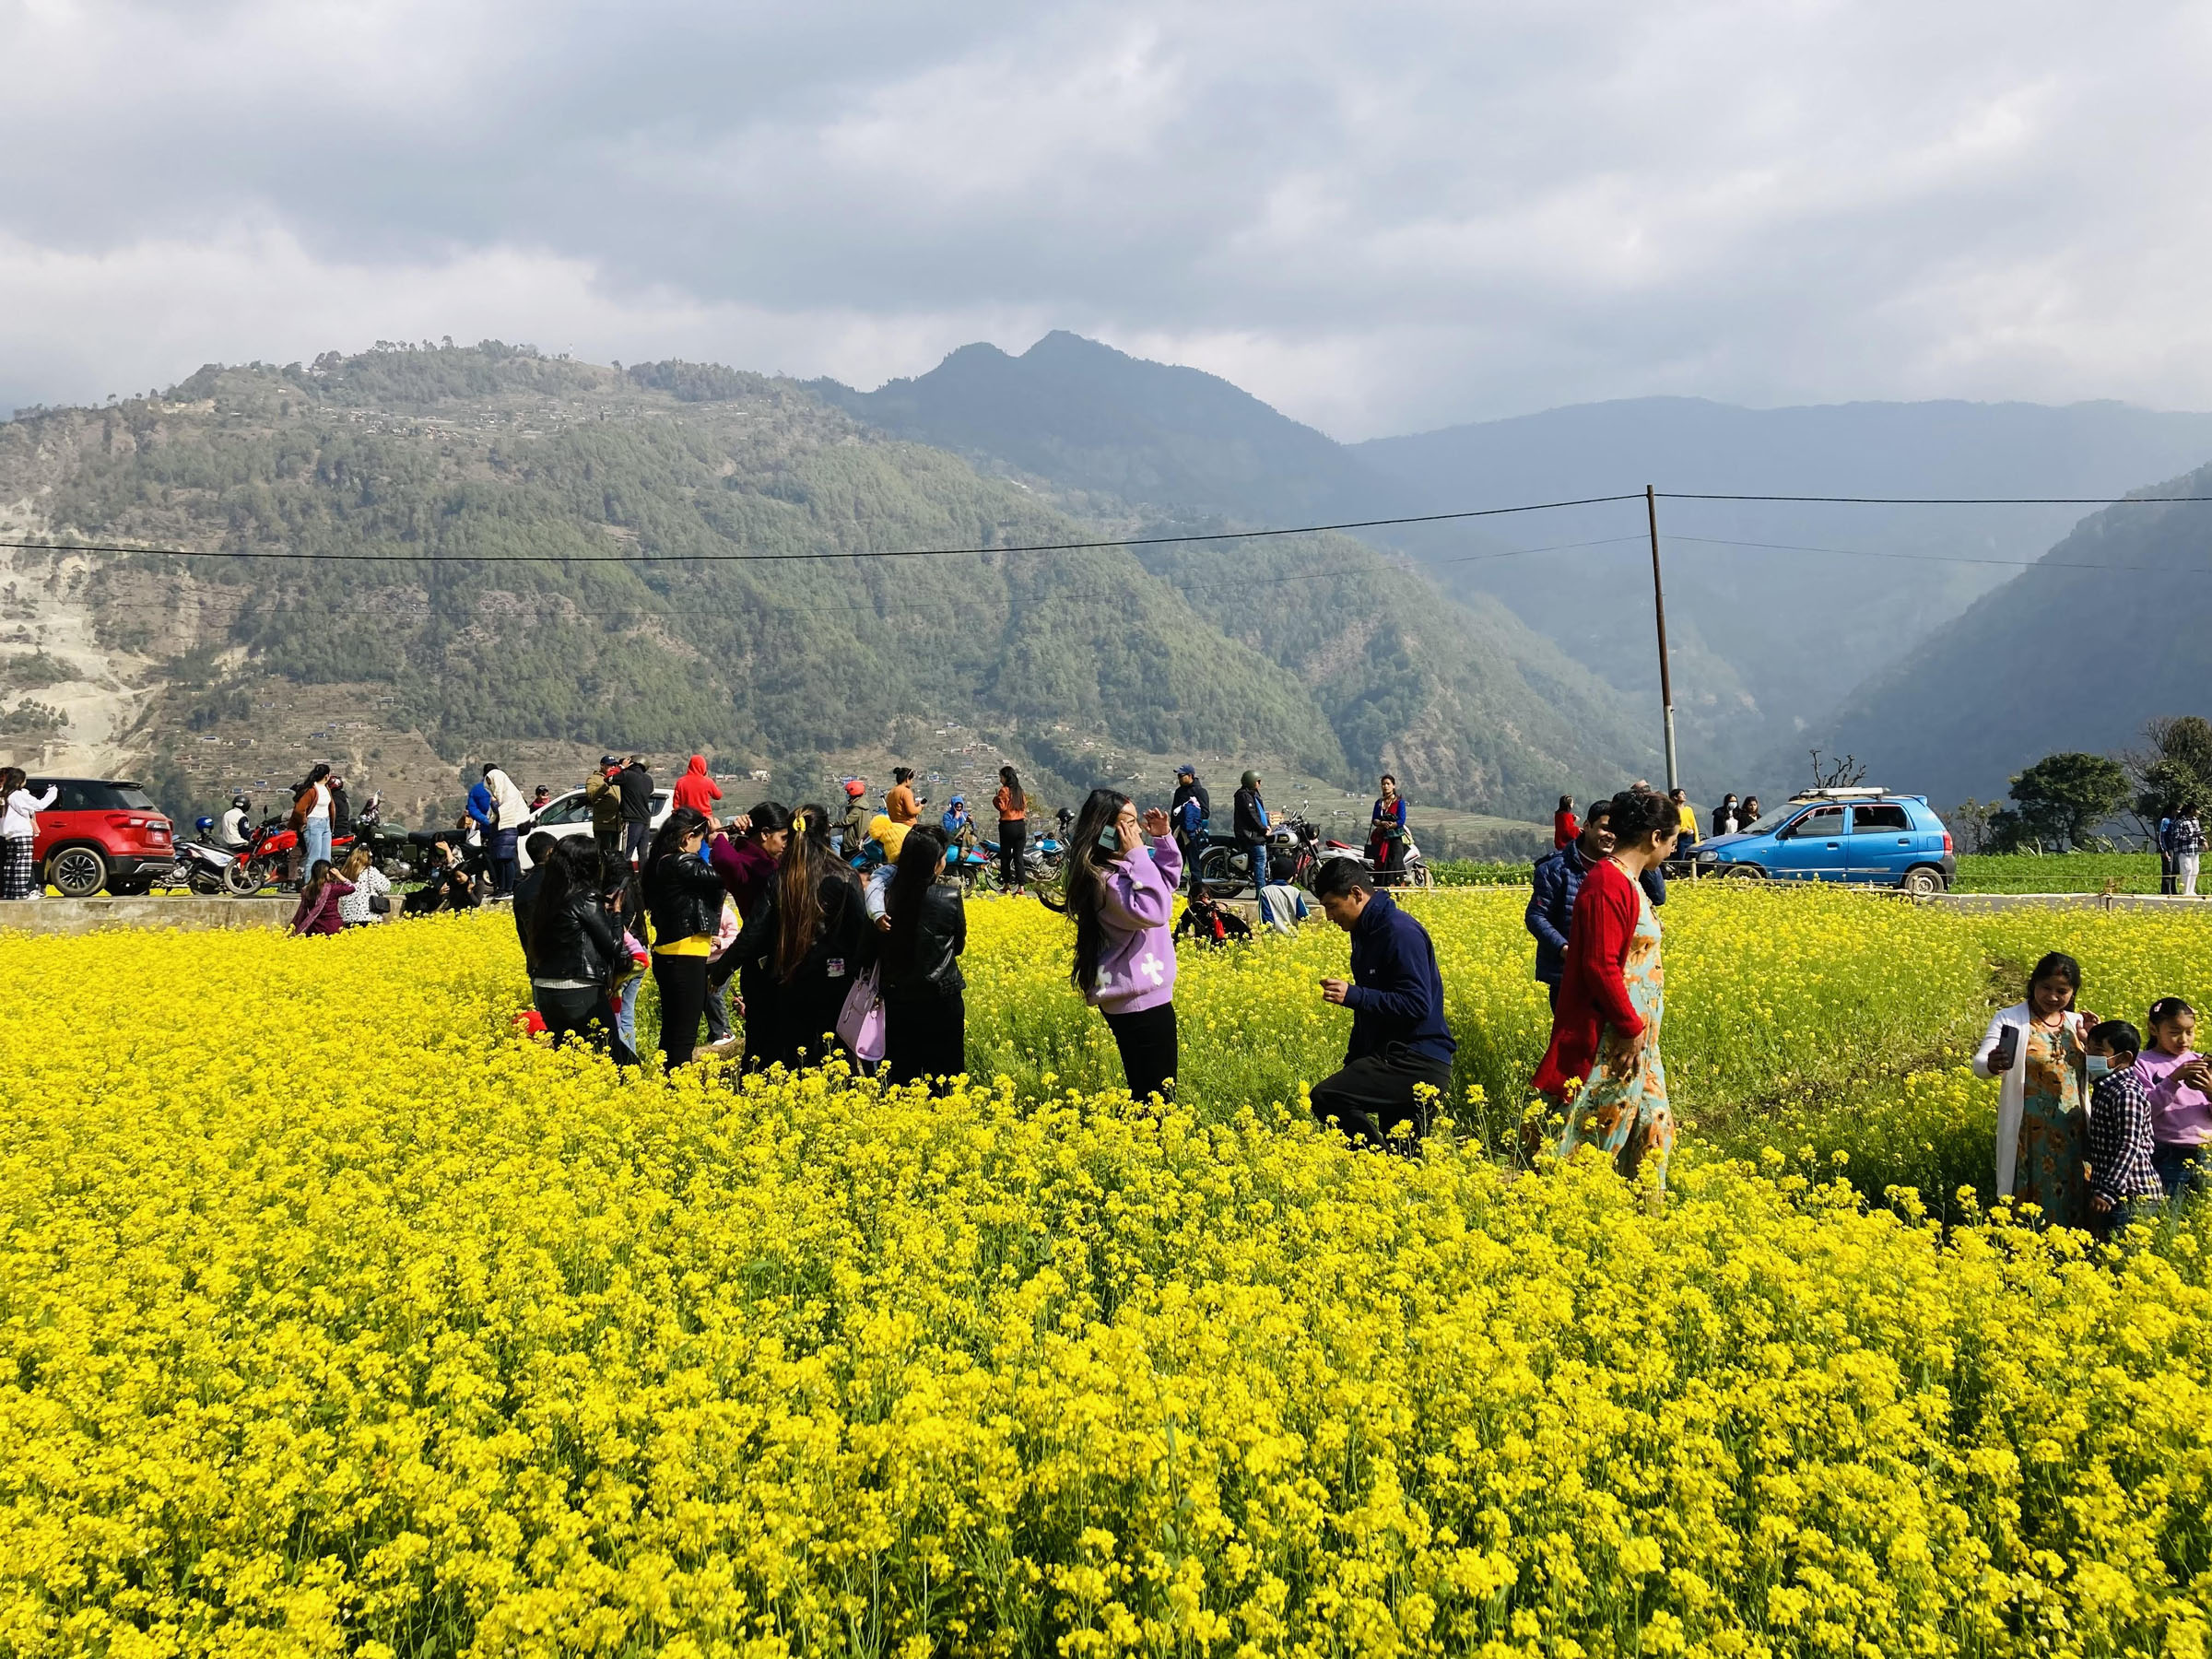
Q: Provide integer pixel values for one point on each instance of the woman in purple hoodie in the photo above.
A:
(1122, 894)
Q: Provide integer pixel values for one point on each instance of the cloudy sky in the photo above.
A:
(1379, 218)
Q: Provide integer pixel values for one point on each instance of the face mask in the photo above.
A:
(1110, 838)
(2099, 1066)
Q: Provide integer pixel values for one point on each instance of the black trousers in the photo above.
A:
(586, 1014)
(1374, 1094)
(636, 840)
(683, 985)
(1012, 834)
(610, 841)
(1146, 1040)
(2169, 875)
(925, 1035)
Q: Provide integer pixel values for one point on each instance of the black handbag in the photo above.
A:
(380, 904)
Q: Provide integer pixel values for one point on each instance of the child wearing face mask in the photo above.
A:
(2124, 1187)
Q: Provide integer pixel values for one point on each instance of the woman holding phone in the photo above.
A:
(2038, 1052)
(1121, 874)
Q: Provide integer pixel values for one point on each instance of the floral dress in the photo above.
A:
(2053, 1145)
(1626, 1114)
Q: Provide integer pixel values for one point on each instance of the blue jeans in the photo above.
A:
(314, 843)
(1257, 854)
(2182, 1167)
(1193, 854)
(625, 1010)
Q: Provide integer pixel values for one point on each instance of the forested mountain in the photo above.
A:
(1768, 639)
(2109, 629)
(1115, 432)
(689, 510)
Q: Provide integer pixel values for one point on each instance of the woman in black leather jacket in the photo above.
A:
(805, 945)
(682, 897)
(926, 1018)
(573, 949)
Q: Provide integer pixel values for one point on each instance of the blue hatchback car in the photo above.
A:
(1863, 835)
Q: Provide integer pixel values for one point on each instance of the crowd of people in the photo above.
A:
(767, 919)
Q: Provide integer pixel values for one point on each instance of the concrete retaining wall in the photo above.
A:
(88, 915)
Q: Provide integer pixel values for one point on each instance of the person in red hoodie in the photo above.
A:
(1604, 1033)
(696, 790)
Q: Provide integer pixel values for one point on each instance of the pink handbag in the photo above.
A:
(860, 1021)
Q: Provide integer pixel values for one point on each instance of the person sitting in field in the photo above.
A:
(1210, 923)
(1400, 1046)
(445, 886)
(317, 912)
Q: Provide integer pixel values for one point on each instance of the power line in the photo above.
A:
(1075, 546)
(1131, 541)
(1675, 495)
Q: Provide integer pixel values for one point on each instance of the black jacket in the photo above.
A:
(341, 810)
(843, 949)
(636, 784)
(1250, 832)
(940, 936)
(578, 941)
(682, 897)
(525, 899)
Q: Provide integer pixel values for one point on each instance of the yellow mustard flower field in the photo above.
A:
(335, 1318)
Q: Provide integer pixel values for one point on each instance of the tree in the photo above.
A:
(2061, 798)
(2176, 768)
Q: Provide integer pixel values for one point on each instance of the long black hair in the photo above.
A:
(1086, 862)
(1017, 802)
(574, 866)
(682, 821)
(812, 821)
(920, 858)
(798, 891)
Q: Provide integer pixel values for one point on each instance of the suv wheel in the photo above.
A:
(1923, 881)
(77, 872)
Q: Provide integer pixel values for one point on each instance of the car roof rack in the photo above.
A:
(1838, 795)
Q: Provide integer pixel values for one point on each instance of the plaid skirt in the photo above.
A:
(15, 866)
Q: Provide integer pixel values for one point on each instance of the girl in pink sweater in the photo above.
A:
(1121, 874)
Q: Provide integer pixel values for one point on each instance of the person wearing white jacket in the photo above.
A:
(20, 833)
(2037, 1050)
(513, 809)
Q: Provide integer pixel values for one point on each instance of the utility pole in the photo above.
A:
(1666, 678)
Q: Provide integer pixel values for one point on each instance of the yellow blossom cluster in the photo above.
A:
(336, 1318)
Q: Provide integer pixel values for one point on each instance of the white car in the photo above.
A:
(571, 814)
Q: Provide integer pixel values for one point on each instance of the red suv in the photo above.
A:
(101, 833)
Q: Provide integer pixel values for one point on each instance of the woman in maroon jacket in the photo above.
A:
(1605, 1034)
(318, 908)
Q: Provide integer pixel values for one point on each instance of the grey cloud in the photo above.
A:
(1379, 218)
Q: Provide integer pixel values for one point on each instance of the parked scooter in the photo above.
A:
(203, 866)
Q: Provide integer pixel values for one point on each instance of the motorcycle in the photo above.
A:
(267, 859)
(1296, 851)
(202, 867)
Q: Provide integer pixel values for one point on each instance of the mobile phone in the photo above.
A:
(2007, 1051)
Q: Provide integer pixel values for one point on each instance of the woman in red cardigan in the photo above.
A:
(1606, 1033)
(1564, 828)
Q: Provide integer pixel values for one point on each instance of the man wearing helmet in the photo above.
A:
(231, 835)
(852, 829)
